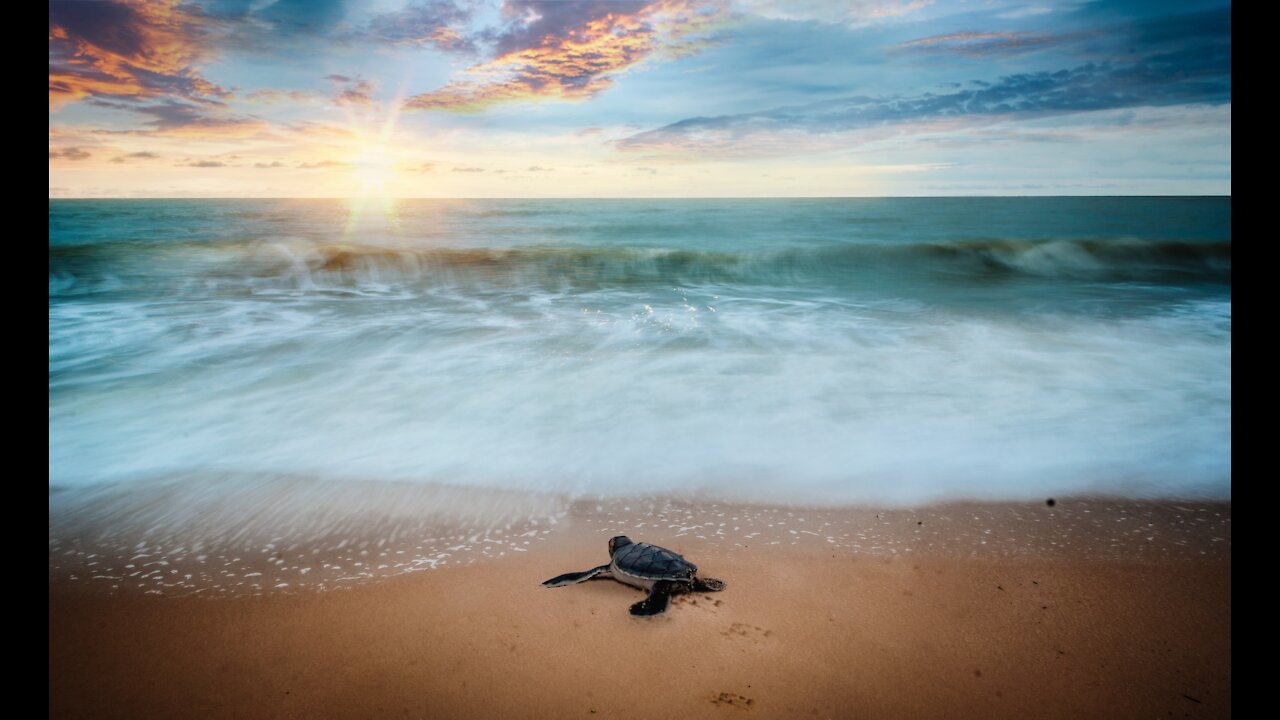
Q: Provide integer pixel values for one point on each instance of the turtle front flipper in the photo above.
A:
(656, 603)
(576, 577)
(707, 585)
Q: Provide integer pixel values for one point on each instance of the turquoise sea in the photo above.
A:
(818, 351)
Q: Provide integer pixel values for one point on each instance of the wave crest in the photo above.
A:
(309, 264)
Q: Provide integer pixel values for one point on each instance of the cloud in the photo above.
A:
(1025, 11)
(426, 167)
(323, 164)
(273, 95)
(539, 168)
(122, 159)
(352, 91)
(1187, 60)
(204, 164)
(71, 153)
(178, 118)
(171, 117)
(468, 169)
(421, 24)
(273, 164)
(132, 49)
(990, 137)
(574, 50)
(530, 23)
(141, 50)
(319, 131)
(984, 43)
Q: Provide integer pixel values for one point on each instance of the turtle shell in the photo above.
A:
(654, 563)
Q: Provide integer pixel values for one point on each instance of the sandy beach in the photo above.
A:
(1091, 608)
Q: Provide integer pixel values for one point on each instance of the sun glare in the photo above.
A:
(373, 164)
(374, 171)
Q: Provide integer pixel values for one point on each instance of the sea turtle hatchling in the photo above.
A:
(660, 571)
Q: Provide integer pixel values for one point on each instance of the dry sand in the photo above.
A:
(1090, 609)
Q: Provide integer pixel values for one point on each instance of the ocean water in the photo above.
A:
(816, 351)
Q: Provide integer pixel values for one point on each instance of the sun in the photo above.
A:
(374, 169)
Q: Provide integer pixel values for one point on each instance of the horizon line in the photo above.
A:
(627, 197)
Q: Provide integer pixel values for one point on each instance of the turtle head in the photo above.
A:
(615, 543)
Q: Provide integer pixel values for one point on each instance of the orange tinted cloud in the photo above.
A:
(577, 62)
(276, 95)
(126, 48)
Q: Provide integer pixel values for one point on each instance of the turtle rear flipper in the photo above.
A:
(707, 585)
(656, 603)
(576, 577)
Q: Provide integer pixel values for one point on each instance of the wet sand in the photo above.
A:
(1092, 608)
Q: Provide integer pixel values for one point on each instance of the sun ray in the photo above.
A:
(374, 162)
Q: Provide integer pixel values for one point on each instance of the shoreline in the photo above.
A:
(981, 610)
(290, 535)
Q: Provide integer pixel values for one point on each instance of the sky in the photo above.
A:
(638, 98)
